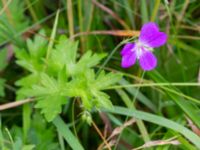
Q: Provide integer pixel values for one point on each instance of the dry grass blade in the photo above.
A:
(102, 137)
(107, 123)
(158, 143)
(116, 132)
(194, 128)
(195, 28)
(70, 17)
(183, 11)
(7, 11)
(123, 33)
(5, 6)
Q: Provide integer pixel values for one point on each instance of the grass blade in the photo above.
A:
(63, 130)
(144, 11)
(185, 105)
(159, 121)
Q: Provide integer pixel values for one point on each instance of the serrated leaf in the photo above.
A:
(37, 46)
(26, 83)
(28, 62)
(88, 88)
(32, 58)
(49, 96)
(103, 100)
(47, 86)
(51, 106)
(65, 77)
(105, 80)
(88, 60)
(64, 53)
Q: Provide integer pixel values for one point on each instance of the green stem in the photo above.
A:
(154, 84)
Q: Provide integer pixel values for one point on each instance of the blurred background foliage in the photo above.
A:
(164, 101)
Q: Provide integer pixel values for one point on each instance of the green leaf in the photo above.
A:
(105, 80)
(51, 106)
(64, 77)
(103, 100)
(25, 84)
(159, 121)
(88, 87)
(28, 62)
(88, 60)
(32, 59)
(37, 46)
(48, 93)
(64, 53)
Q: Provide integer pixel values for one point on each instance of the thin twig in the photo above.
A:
(195, 28)
(194, 128)
(154, 84)
(182, 14)
(15, 104)
(70, 17)
(101, 135)
(170, 141)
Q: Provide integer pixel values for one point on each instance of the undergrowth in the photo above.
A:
(62, 85)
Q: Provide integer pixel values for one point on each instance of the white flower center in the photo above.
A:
(140, 48)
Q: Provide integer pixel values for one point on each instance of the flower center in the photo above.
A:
(140, 48)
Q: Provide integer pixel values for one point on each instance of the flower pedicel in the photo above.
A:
(150, 37)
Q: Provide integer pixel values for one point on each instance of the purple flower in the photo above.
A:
(150, 37)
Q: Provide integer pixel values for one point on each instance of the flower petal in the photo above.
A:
(127, 48)
(128, 60)
(148, 61)
(151, 36)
